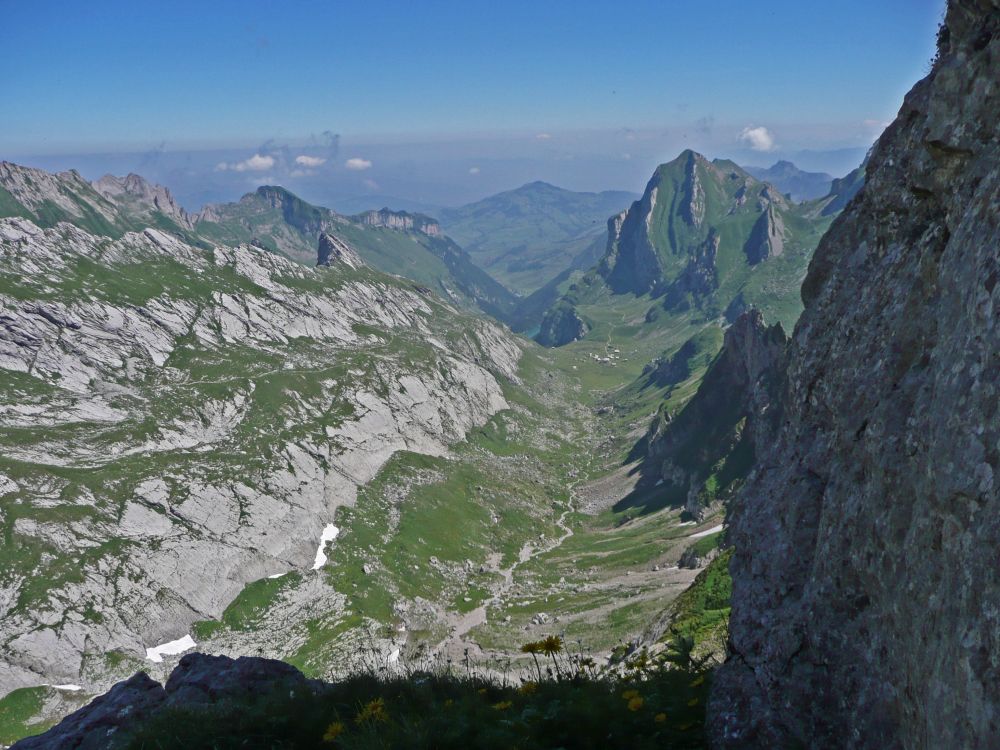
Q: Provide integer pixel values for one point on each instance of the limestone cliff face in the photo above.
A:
(402, 221)
(865, 580)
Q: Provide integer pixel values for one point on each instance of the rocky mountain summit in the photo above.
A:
(706, 239)
(864, 575)
(169, 409)
(798, 184)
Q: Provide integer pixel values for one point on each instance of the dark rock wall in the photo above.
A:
(866, 599)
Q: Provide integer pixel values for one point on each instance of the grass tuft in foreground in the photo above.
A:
(643, 702)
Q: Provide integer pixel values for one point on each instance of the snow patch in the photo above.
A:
(394, 656)
(71, 688)
(329, 534)
(706, 532)
(170, 648)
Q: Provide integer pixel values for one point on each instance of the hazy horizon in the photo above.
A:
(353, 103)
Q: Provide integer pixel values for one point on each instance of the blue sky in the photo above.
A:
(739, 79)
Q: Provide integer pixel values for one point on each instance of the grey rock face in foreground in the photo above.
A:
(865, 580)
(197, 680)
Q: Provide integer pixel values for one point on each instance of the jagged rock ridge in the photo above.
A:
(402, 221)
(334, 251)
(864, 577)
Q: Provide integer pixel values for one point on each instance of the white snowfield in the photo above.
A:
(706, 532)
(329, 534)
(170, 648)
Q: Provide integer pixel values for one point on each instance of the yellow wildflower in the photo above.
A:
(697, 680)
(333, 731)
(693, 702)
(630, 694)
(685, 727)
(482, 691)
(635, 703)
(528, 688)
(535, 647)
(373, 711)
(552, 645)
(502, 705)
(660, 718)
(449, 702)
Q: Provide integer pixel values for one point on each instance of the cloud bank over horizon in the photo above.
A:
(425, 173)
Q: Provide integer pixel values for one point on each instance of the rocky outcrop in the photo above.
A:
(767, 238)
(715, 435)
(693, 194)
(865, 579)
(401, 221)
(561, 325)
(198, 681)
(630, 262)
(334, 251)
(700, 277)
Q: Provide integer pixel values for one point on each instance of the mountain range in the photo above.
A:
(526, 237)
(794, 182)
(305, 401)
(706, 241)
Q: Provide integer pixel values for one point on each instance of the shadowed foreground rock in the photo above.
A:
(197, 680)
(866, 590)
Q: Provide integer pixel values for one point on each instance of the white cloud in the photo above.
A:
(301, 172)
(757, 138)
(309, 161)
(473, 170)
(543, 136)
(876, 124)
(370, 184)
(256, 163)
(357, 164)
